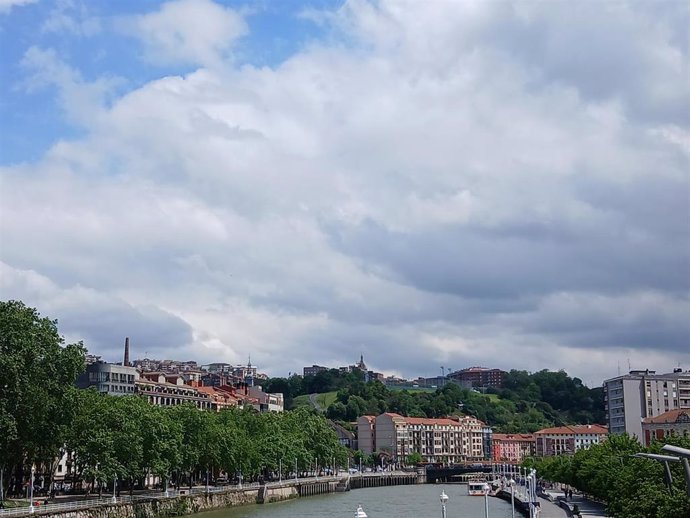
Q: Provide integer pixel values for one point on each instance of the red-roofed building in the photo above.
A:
(512, 448)
(448, 440)
(673, 422)
(220, 399)
(568, 439)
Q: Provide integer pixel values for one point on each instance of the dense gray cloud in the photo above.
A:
(445, 183)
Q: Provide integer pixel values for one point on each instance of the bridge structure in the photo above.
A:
(457, 473)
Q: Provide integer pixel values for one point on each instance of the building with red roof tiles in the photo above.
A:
(673, 422)
(568, 439)
(448, 440)
(220, 399)
(512, 448)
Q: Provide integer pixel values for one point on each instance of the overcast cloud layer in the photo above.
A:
(428, 183)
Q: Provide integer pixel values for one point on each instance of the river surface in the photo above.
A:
(418, 501)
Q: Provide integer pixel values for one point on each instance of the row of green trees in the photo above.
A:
(628, 485)
(127, 438)
(42, 416)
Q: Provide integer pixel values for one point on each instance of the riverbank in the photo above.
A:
(157, 505)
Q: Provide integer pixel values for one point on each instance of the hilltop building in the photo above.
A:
(478, 377)
(313, 370)
(641, 394)
(177, 383)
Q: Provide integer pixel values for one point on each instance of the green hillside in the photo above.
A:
(526, 402)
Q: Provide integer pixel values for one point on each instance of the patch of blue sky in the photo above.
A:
(32, 120)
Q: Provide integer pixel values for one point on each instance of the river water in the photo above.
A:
(418, 501)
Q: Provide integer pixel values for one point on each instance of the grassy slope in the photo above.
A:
(324, 400)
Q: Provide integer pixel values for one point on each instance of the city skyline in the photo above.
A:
(428, 184)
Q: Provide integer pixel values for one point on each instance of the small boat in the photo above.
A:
(476, 488)
(359, 513)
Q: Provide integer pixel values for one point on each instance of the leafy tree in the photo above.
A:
(414, 458)
(37, 373)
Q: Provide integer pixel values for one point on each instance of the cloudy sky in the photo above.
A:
(435, 183)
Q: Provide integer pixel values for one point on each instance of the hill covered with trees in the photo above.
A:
(526, 403)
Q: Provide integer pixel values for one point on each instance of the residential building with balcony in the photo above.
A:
(170, 390)
(448, 440)
(640, 394)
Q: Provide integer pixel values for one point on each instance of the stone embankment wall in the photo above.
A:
(176, 506)
(189, 504)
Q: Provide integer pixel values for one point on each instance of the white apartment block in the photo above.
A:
(640, 394)
(448, 440)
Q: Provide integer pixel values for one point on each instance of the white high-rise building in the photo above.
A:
(632, 397)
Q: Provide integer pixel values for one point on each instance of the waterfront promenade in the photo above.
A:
(587, 508)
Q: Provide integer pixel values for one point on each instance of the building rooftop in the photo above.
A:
(679, 415)
(576, 429)
(525, 437)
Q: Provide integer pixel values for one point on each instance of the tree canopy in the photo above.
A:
(629, 486)
(37, 375)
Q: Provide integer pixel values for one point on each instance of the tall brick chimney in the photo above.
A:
(126, 362)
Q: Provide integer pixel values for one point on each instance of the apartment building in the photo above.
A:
(109, 378)
(448, 440)
(478, 377)
(267, 402)
(641, 394)
(512, 448)
(366, 434)
(313, 370)
(566, 440)
(170, 390)
(673, 422)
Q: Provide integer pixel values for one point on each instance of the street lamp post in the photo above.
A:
(295, 468)
(444, 500)
(115, 489)
(512, 496)
(280, 471)
(486, 500)
(207, 488)
(684, 455)
(31, 490)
